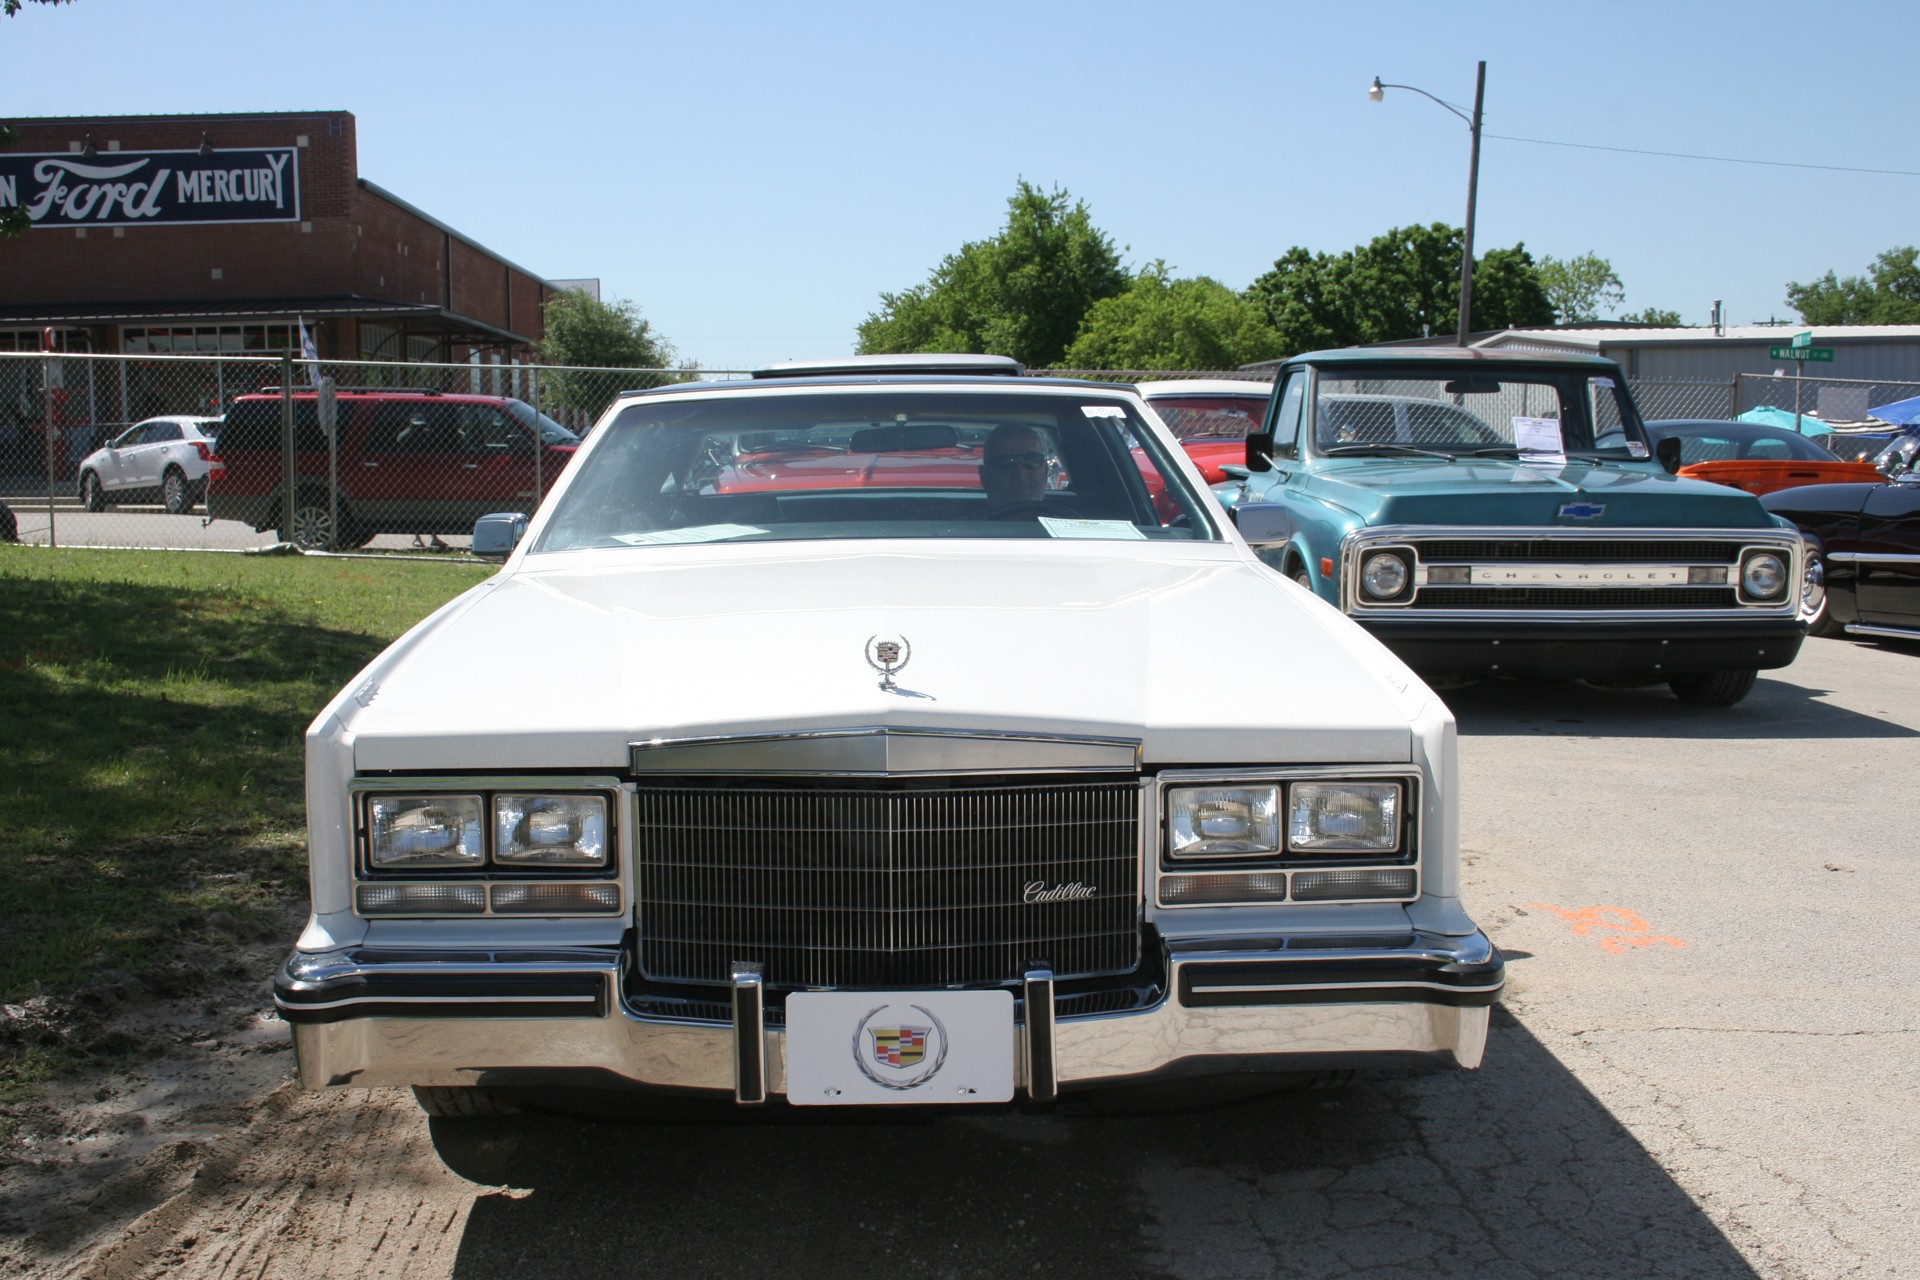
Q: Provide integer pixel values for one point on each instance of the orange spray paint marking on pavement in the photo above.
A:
(1618, 919)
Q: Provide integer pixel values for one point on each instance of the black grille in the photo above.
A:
(1580, 550)
(1573, 599)
(888, 883)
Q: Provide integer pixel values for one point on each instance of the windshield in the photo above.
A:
(886, 462)
(1453, 412)
(551, 432)
(1208, 417)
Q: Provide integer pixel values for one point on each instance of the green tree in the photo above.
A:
(1164, 323)
(1582, 288)
(1653, 318)
(12, 7)
(593, 336)
(1888, 294)
(1022, 293)
(1404, 284)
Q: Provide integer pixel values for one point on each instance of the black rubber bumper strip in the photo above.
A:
(1342, 981)
(414, 995)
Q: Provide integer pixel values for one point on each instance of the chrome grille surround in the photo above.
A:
(1553, 558)
(887, 882)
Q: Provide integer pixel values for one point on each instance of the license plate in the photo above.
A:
(853, 1048)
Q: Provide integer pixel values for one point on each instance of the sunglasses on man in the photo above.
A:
(1008, 461)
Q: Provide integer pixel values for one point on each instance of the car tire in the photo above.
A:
(1713, 688)
(311, 527)
(1822, 622)
(92, 496)
(462, 1103)
(176, 495)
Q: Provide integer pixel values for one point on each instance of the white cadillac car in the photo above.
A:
(893, 762)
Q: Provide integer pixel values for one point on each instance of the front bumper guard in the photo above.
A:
(363, 1017)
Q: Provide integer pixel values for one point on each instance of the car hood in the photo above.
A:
(1203, 655)
(1499, 491)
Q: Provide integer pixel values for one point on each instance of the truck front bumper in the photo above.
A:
(534, 1019)
(1587, 647)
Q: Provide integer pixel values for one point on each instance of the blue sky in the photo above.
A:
(755, 175)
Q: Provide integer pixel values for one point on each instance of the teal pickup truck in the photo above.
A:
(1496, 513)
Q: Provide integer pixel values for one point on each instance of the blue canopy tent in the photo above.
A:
(1768, 416)
(1900, 413)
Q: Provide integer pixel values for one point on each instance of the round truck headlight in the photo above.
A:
(1763, 576)
(1384, 575)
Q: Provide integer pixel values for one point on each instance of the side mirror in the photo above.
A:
(1668, 451)
(1259, 446)
(1261, 523)
(495, 536)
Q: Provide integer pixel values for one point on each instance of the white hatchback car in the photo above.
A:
(162, 459)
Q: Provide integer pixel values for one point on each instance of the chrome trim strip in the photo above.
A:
(1250, 987)
(1392, 537)
(1043, 1078)
(1873, 557)
(749, 1033)
(1867, 629)
(304, 1006)
(884, 750)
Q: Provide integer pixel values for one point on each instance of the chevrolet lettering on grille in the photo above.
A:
(1591, 575)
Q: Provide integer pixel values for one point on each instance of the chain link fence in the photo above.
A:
(238, 452)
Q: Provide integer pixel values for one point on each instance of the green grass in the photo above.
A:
(152, 708)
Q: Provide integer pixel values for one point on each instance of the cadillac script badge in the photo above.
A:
(888, 655)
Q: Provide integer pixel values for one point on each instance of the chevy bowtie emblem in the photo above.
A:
(1582, 510)
(887, 656)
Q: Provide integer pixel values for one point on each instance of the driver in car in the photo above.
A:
(1013, 470)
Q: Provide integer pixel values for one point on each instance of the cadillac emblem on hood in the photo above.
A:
(887, 655)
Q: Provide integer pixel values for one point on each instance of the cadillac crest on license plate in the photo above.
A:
(848, 1048)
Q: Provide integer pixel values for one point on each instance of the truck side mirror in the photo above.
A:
(1259, 449)
(1668, 451)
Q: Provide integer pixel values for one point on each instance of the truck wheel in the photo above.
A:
(1713, 688)
(176, 495)
(91, 494)
(465, 1103)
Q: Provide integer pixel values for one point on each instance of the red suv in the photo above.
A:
(418, 462)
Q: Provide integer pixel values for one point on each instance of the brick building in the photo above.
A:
(174, 234)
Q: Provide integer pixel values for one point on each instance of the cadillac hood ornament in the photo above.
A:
(887, 655)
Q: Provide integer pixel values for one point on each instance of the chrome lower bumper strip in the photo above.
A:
(1232, 1007)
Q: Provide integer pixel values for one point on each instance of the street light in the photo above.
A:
(1377, 92)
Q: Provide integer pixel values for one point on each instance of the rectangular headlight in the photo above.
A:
(550, 830)
(1223, 822)
(1344, 817)
(425, 831)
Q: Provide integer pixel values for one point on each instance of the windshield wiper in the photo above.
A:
(1493, 451)
(1346, 450)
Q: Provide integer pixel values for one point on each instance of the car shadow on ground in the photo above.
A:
(1513, 1170)
(1777, 708)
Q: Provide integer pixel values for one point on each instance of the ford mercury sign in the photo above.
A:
(148, 188)
(884, 774)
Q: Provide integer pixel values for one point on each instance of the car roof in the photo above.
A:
(1449, 355)
(1205, 387)
(386, 393)
(971, 382)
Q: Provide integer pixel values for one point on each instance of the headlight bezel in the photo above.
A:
(1177, 876)
(376, 877)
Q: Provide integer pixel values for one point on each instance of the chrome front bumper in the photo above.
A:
(363, 1018)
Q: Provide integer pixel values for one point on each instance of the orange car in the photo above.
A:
(1756, 458)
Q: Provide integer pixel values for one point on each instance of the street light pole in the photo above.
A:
(1377, 91)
